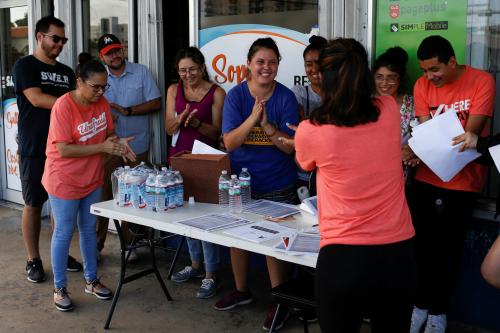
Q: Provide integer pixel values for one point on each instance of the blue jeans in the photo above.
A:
(68, 214)
(210, 254)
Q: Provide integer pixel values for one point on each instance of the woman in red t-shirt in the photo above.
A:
(365, 266)
(81, 129)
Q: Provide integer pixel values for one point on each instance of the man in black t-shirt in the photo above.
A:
(39, 80)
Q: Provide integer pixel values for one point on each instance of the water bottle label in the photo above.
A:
(234, 191)
(223, 186)
(244, 183)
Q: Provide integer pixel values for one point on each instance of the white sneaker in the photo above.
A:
(436, 324)
(418, 318)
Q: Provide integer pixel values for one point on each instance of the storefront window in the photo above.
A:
(101, 17)
(227, 28)
(13, 45)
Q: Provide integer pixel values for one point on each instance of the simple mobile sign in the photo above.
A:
(225, 49)
(10, 118)
(406, 23)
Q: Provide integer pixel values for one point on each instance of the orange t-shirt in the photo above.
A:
(75, 177)
(472, 94)
(360, 182)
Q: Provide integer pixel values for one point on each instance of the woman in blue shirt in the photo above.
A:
(255, 115)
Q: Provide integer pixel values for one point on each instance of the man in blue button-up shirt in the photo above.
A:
(132, 94)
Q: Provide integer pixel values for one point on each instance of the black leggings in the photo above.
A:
(373, 281)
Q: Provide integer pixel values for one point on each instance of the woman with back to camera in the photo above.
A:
(194, 112)
(256, 113)
(389, 72)
(81, 130)
(365, 265)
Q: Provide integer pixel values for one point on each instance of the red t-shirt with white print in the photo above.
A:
(472, 94)
(75, 177)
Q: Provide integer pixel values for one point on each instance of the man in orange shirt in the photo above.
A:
(441, 211)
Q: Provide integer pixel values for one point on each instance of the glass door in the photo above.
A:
(13, 45)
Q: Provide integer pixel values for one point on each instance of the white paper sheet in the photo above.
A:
(495, 155)
(260, 232)
(212, 222)
(432, 143)
(202, 148)
(270, 208)
(299, 243)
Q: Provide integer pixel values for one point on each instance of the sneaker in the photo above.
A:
(73, 265)
(280, 319)
(233, 299)
(307, 316)
(62, 300)
(35, 270)
(418, 318)
(207, 289)
(96, 288)
(436, 324)
(134, 256)
(187, 273)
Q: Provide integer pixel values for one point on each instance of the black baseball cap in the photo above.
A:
(107, 42)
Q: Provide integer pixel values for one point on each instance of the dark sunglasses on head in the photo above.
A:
(56, 39)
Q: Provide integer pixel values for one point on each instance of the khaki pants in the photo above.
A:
(111, 162)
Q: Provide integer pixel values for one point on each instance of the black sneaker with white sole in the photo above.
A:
(73, 265)
(34, 268)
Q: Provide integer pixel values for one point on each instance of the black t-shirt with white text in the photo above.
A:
(33, 122)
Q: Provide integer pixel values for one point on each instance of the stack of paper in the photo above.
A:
(259, 232)
(270, 208)
(299, 243)
(213, 222)
(432, 142)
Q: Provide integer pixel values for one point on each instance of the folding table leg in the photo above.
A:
(123, 266)
(153, 264)
(176, 256)
(271, 329)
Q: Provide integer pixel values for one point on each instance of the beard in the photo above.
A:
(50, 51)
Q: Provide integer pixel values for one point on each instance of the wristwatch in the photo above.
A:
(129, 111)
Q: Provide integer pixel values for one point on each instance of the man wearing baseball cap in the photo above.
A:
(132, 94)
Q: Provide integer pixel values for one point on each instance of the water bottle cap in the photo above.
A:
(244, 169)
(127, 167)
(224, 172)
(234, 176)
(163, 168)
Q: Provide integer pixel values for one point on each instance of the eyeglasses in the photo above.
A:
(96, 87)
(390, 79)
(56, 39)
(191, 70)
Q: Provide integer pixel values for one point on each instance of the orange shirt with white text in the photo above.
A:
(472, 94)
(75, 177)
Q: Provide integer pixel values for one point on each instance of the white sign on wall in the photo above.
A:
(10, 118)
(225, 49)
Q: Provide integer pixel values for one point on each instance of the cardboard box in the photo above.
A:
(201, 174)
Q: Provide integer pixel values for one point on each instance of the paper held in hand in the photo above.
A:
(432, 142)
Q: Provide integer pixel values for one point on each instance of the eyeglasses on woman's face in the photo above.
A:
(56, 39)
(191, 70)
(96, 87)
(391, 80)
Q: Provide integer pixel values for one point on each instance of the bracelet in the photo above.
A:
(273, 133)
(129, 111)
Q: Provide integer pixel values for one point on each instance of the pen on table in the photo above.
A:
(315, 225)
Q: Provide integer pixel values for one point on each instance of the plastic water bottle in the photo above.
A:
(136, 179)
(124, 188)
(161, 184)
(179, 184)
(235, 195)
(115, 176)
(246, 192)
(224, 189)
(171, 191)
(150, 189)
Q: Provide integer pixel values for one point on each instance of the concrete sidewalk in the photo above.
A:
(28, 307)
